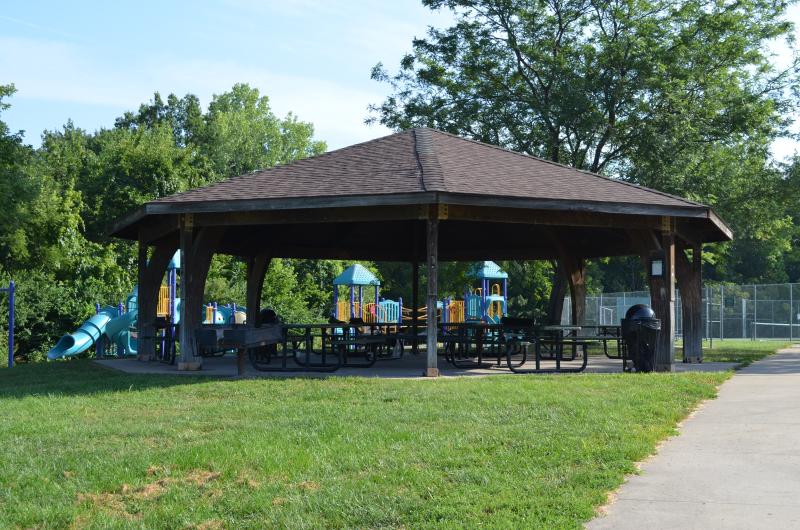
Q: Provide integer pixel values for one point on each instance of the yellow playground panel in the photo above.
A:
(455, 311)
(162, 309)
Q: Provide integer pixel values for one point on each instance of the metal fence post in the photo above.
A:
(791, 320)
(708, 315)
(744, 317)
(721, 312)
(755, 312)
(11, 324)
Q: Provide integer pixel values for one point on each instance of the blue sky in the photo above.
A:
(91, 61)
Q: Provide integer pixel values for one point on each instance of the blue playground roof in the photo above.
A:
(487, 270)
(175, 262)
(356, 275)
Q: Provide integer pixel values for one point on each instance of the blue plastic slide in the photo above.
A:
(106, 322)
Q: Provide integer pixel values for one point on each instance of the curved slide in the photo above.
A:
(107, 322)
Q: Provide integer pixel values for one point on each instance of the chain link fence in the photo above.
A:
(766, 311)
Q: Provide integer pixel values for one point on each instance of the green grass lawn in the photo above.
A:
(87, 447)
(742, 351)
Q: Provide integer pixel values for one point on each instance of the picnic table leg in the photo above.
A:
(240, 362)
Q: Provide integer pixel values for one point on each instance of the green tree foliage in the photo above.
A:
(242, 134)
(680, 96)
(58, 202)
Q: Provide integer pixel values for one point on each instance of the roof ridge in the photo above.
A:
(431, 173)
(597, 175)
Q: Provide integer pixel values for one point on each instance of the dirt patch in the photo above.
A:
(110, 503)
(279, 501)
(246, 479)
(308, 485)
(200, 477)
(157, 470)
(212, 524)
(115, 503)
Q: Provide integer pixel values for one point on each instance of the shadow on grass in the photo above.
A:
(80, 377)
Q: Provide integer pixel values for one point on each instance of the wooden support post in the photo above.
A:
(662, 294)
(150, 274)
(689, 278)
(575, 269)
(189, 360)
(432, 366)
(415, 306)
(256, 269)
(556, 304)
(197, 249)
(145, 345)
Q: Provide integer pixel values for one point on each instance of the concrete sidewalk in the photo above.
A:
(735, 464)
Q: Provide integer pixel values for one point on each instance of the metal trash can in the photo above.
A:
(640, 329)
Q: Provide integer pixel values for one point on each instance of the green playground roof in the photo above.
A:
(356, 275)
(487, 270)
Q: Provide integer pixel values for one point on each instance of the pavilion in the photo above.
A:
(421, 195)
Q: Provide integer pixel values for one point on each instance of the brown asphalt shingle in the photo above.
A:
(420, 160)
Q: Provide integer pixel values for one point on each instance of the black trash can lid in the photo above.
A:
(640, 312)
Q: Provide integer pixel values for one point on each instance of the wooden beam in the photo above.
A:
(256, 270)
(551, 218)
(188, 359)
(314, 216)
(157, 227)
(662, 295)
(689, 278)
(575, 269)
(197, 249)
(415, 306)
(150, 275)
(555, 306)
(293, 203)
(432, 366)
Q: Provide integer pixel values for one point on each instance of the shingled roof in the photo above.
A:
(426, 160)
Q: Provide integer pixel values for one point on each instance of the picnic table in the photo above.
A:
(467, 345)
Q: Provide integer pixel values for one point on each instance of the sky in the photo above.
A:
(90, 61)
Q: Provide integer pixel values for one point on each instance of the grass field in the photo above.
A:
(743, 351)
(86, 447)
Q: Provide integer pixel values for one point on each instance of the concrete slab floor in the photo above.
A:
(409, 366)
(734, 465)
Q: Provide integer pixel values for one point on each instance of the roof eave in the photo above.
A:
(121, 228)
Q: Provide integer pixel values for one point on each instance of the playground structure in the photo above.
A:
(10, 291)
(112, 330)
(486, 303)
(379, 310)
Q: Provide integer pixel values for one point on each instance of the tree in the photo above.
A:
(633, 89)
(17, 190)
(242, 134)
